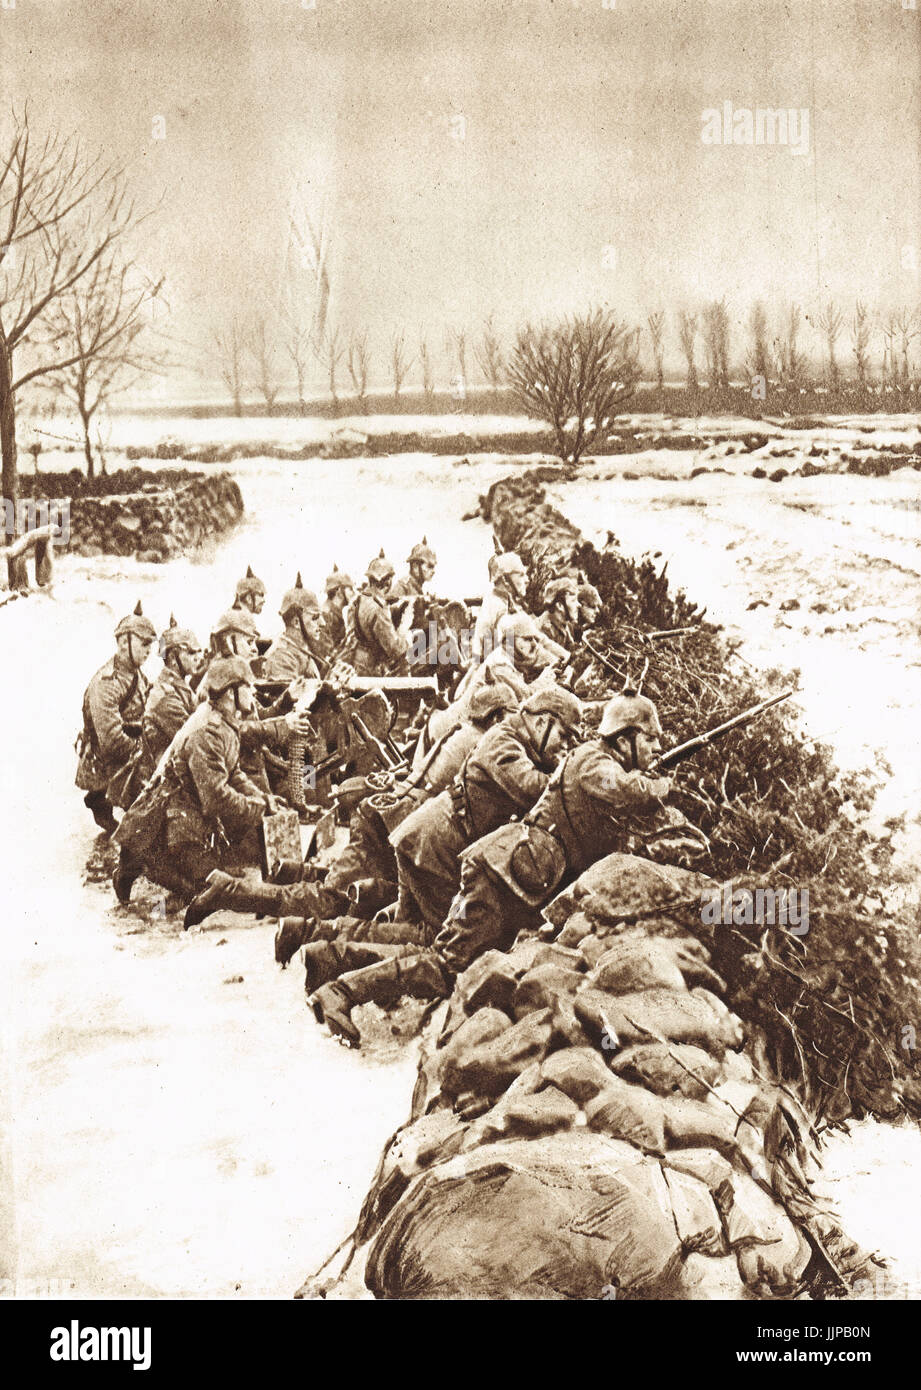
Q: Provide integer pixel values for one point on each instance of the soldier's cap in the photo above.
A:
(509, 563)
(629, 711)
(236, 620)
(560, 703)
(228, 672)
(422, 552)
(513, 625)
(249, 584)
(338, 579)
(380, 568)
(557, 588)
(299, 600)
(487, 699)
(175, 637)
(136, 625)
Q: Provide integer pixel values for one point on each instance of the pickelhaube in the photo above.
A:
(380, 568)
(249, 584)
(137, 626)
(510, 562)
(487, 699)
(422, 552)
(338, 579)
(236, 620)
(560, 703)
(299, 600)
(557, 588)
(228, 672)
(175, 637)
(629, 711)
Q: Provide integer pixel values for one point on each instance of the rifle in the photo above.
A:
(692, 745)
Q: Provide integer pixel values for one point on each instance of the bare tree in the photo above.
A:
(230, 348)
(357, 363)
(576, 374)
(489, 355)
(60, 213)
(263, 354)
(655, 323)
(830, 322)
(330, 352)
(687, 334)
(399, 363)
(860, 342)
(906, 323)
(890, 369)
(456, 348)
(307, 290)
(100, 324)
(716, 342)
(791, 363)
(425, 362)
(297, 347)
(758, 361)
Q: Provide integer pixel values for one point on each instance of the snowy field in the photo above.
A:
(173, 1134)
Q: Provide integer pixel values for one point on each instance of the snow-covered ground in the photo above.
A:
(168, 1132)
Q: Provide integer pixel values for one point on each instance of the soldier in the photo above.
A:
(365, 873)
(112, 708)
(509, 768)
(373, 646)
(340, 591)
(201, 810)
(250, 592)
(509, 584)
(171, 699)
(600, 797)
(589, 607)
(290, 655)
(561, 611)
(422, 561)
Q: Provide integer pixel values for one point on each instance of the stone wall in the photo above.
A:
(155, 523)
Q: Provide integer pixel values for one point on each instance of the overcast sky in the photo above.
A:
(520, 157)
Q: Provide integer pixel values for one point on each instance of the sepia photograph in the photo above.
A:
(460, 664)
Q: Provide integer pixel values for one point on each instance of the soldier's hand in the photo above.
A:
(298, 721)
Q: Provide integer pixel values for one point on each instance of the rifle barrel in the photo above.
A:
(701, 740)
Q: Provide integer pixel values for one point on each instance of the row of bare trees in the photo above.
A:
(845, 345)
(250, 359)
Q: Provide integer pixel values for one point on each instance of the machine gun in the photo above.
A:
(693, 745)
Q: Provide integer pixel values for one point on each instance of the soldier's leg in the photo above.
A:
(98, 803)
(327, 960)
(419, 974)
(423, 894)
(485, 915)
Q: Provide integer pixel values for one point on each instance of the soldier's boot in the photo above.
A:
(125, 874)
(102, 811)
(292, 933)
(419, 975)
(223, 891)
(327, 960)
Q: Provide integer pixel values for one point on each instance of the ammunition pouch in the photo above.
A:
(537, 862)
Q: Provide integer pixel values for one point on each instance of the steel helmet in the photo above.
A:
(338, 579)
(237, 621)
(422, 552)
(629, 711)
(228, 672)
(509, 563)
(513, 625)
(557, 588)
(136, 625)
(299, 600)
(380, 568)
(249, 584)
(560, 703)
(175, 637)
(487, 699)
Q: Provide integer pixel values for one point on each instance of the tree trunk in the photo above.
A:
(8, 429)
(87, 448)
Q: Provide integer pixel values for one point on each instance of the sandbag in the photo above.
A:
(557, 1217)
(630, 1113)
(578, 1071)
(492, 1066)
(696, 1217)
(541, 987)
(636, 961)
(490, 980)
(624, 887)
(693, 1017)
(770, 1251)
(666, 1069)
(695, 1124)
(541, 1112)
